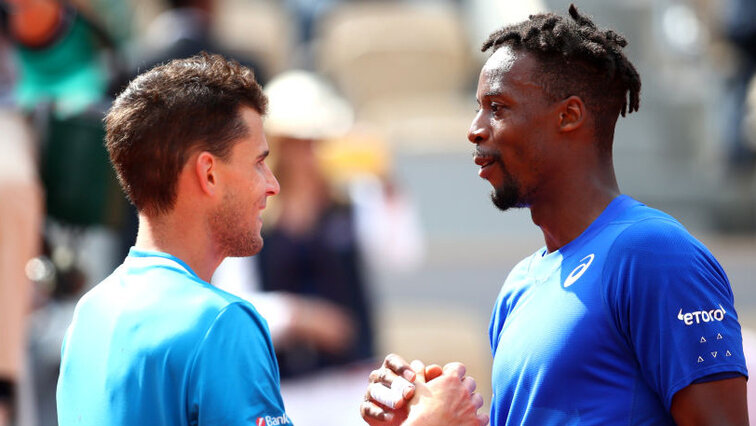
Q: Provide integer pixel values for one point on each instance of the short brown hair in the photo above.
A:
(170, 112)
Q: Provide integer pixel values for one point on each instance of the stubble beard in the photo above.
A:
(507, 195)
(234, 237)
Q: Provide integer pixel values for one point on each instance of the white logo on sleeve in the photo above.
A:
(698, 317)
(579, 270)
(273, 420)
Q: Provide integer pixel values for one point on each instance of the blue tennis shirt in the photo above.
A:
(605, 330)
(153, 344)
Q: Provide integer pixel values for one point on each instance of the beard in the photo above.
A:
(235, 237)
(509, 193)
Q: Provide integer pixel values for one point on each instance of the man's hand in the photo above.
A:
(392, 411)
(325, 324)
(449, 400)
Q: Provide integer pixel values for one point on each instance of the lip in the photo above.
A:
(485, 163)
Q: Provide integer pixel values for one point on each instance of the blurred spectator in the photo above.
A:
(60, 92)
(740, 28)
(749, 121)
(62, 83)
(57, 53)
(20, 223)
(307, 13)
(184, 30)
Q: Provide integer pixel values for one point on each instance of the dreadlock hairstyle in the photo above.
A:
(577, 58)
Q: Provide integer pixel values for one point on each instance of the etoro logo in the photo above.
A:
(273, 420)
(701, 316)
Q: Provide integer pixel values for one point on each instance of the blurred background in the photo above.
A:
(397, 246)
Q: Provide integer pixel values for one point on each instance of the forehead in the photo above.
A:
(506, 68)
(254, 141)
(501, 61)
(251, 119)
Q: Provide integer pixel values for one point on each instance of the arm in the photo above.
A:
(721, 402)
(673, 302)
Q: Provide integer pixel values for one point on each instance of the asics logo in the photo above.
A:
(701, 316)
(579, 270)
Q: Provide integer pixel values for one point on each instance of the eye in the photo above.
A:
(260, 163)
(498, 109)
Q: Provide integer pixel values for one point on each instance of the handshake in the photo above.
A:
(415, 394)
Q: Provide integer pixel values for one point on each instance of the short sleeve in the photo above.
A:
(673, 304)
(234, 378)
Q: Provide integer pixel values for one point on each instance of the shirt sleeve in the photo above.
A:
(235, 378)
(672, 302)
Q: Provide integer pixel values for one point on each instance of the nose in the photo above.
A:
(273, 188)
(478, 131)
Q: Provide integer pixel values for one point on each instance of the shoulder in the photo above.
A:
(219, 313)
(648, 231)
(237, 339)
(238, 316)
(528, 263)
(103, 294)
(517, 276)
(517, 280)
(234, 333)
(654, 250)
(191, 306)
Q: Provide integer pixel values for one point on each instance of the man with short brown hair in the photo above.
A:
(154, 343)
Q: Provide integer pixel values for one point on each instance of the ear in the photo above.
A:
(206, 170)
(572, 114)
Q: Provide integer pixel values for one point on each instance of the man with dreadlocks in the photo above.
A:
(623, 317)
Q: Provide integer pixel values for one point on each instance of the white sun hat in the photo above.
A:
(303, 105)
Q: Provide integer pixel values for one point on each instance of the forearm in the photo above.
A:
(721, 402)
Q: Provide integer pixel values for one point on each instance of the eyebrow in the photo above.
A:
(491, 94)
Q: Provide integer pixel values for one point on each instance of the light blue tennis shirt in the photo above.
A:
(153, 344)
(605, 330)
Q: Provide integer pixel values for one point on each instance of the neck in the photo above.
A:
(182, 237)
(566, 211)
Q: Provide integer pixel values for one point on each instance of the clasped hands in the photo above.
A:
(415, 394)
